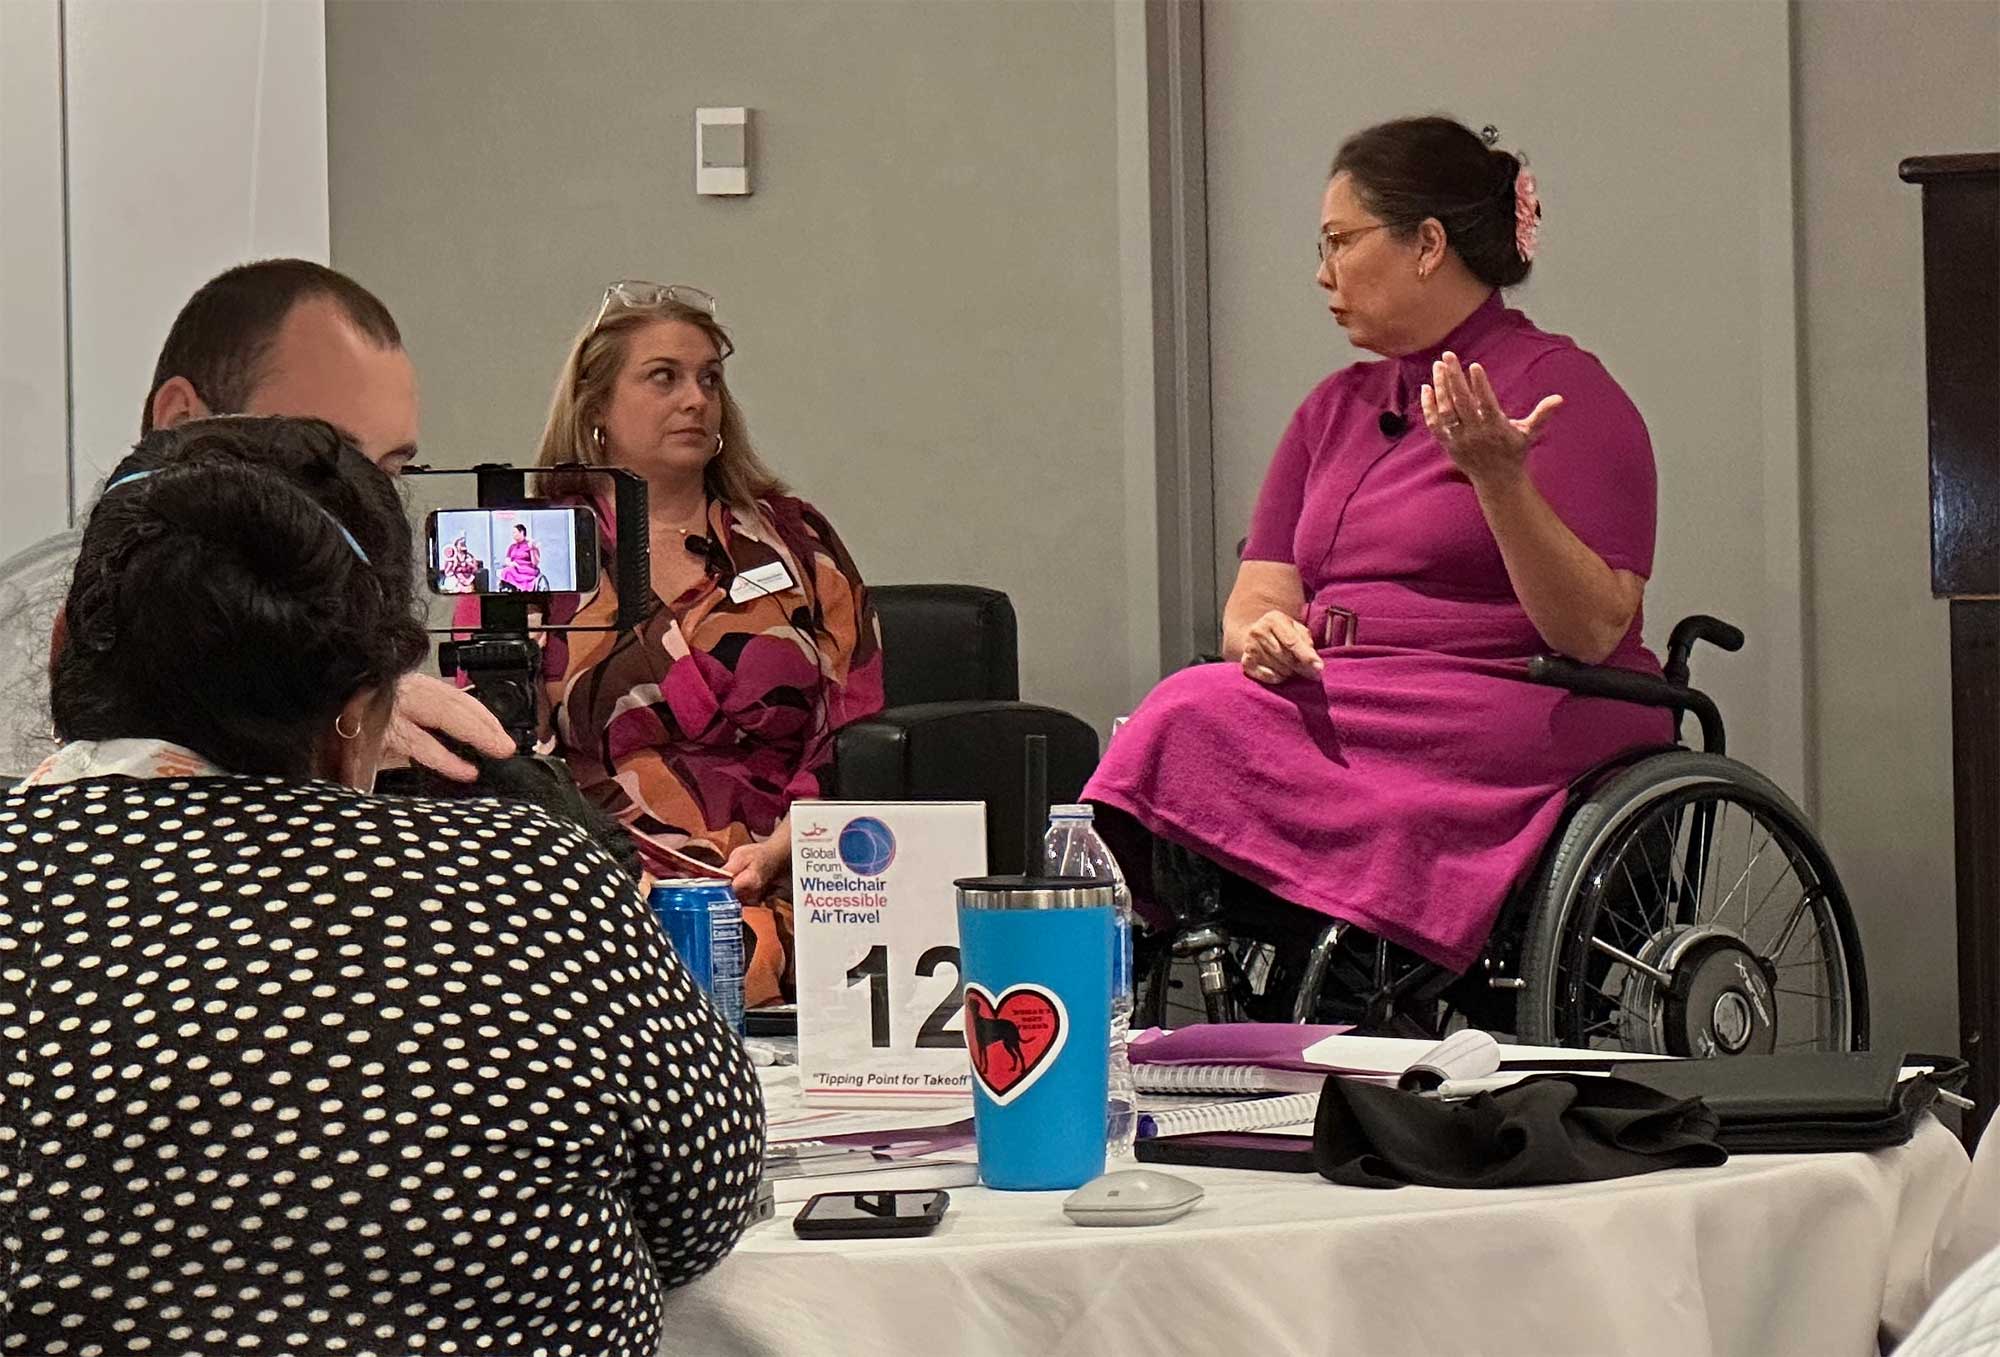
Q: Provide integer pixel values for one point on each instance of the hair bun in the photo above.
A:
(233, 602)
(1414, 169)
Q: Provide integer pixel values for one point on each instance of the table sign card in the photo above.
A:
(875, 922)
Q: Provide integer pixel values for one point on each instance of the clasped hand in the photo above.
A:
(1278, 647)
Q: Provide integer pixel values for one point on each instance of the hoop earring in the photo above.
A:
(718, 448)
(597, 434)
(344, 733)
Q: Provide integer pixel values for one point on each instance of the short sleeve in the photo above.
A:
(1594, 462)
(1275, 521)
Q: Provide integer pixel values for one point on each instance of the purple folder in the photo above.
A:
(1271, 1045)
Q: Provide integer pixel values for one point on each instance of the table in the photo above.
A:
(1768, 1254)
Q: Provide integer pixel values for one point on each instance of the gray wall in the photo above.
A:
(924, 287)
(1875, 83)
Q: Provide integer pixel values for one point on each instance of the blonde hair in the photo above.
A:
(736, 475)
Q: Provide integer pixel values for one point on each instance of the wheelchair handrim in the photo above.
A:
(1823, 901)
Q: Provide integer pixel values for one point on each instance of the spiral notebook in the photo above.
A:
(1249, 1114)
(1224, 1079)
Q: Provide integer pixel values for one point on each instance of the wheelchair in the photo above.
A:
(1683, 906)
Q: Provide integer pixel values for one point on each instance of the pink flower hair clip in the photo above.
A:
(1527, 206)
(1527, 213)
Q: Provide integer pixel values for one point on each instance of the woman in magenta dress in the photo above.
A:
(524, 562)
(461, 568)
(1483, 494)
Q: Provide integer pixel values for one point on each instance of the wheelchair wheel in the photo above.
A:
(1688, 909)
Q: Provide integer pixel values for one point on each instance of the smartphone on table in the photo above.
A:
(871, 1215)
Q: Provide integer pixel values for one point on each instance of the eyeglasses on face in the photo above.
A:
(1334, 243)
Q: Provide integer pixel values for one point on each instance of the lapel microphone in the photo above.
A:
(1392, 423)
(712, 555)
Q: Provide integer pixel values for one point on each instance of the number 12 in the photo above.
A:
(874, 968)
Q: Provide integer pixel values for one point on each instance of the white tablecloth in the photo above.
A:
(1769, 1254)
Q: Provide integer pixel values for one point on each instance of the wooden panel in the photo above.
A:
(1962, 356)
(1975, 770)
(1962, 363)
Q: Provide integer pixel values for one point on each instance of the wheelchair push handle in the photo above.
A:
(1671, 692)
(1699, 627)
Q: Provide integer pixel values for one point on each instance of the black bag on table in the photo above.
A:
(1804, 1101)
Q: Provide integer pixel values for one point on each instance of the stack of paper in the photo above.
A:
(1283, 1057)
(874, 1159)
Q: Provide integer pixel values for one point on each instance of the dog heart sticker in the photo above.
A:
(1013, 1038)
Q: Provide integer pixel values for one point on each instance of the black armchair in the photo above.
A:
(953, 727)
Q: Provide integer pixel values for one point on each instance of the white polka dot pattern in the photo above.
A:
(294, 1069)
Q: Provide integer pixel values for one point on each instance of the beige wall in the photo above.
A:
(925, 286)
(1876, 82)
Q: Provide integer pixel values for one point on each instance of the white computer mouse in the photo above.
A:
(1131, 1197)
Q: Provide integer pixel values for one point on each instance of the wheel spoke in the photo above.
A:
(1769, 891)
(1792, 924)
(1748, 868)
(1617, 1003)
(1629, 901)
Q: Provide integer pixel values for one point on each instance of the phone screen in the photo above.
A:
(871, 1215)
(526, 549)
(875, 1206)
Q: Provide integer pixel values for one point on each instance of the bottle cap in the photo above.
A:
(1076, 811)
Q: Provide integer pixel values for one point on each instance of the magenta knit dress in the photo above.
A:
(1409, 785)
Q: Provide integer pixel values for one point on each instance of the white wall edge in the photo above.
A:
(1784, 620)
(1135, 288)
(197, 135)
(34, 323)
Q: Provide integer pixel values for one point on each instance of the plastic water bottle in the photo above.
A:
(1073, 848)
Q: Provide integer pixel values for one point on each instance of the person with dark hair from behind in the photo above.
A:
(292, 1066)
(291, 337)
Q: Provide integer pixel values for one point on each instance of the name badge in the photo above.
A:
(765, 579)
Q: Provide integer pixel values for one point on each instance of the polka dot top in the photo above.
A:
(289, 1068)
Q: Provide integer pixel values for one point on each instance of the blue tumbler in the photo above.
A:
(1036, 957)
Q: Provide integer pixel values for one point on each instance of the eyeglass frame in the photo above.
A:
(683, 294)
(1340, 238)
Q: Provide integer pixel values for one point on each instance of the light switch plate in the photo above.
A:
(722, 151)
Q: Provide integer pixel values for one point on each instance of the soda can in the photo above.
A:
(705, 924)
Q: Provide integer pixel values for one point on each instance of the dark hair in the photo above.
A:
(222, 338)
(533, 781)
(1416, 168)
(217, 604)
